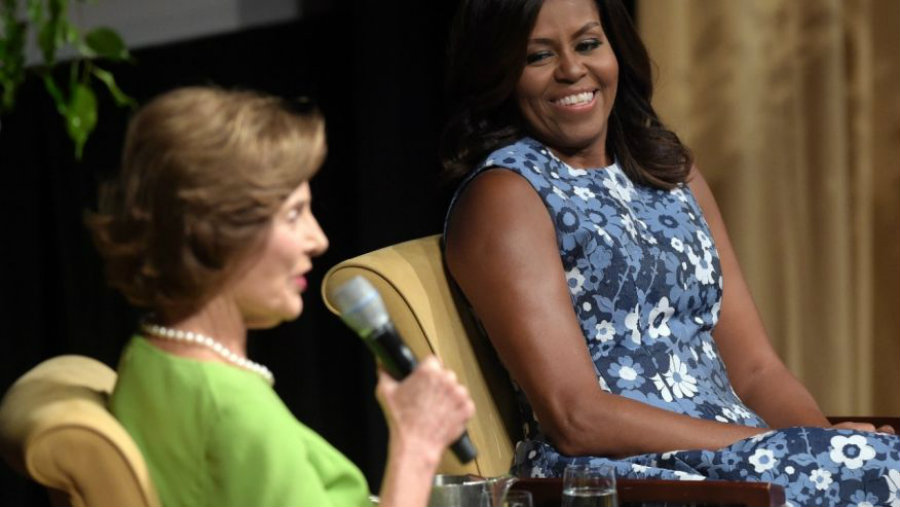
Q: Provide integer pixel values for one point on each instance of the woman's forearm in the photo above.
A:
(611, 425)
(781, 400)
(408, 474)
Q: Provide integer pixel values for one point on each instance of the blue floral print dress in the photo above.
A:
(646, 286)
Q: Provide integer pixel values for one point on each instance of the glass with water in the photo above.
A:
(586, 485)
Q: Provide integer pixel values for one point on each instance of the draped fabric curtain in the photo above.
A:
(792, 110)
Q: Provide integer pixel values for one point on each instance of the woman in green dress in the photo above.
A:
(210, 229)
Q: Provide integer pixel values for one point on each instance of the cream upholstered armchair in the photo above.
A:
(411, 279)
(55, 428)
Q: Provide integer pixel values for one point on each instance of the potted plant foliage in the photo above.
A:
(55, 34)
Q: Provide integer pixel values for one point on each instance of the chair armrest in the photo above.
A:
(55, 428)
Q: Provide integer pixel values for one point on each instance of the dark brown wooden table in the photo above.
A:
(660, 493)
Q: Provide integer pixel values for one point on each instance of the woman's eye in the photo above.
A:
(588, 45)
(537, 56)
(296, 212)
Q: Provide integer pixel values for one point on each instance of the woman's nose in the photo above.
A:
(317, 241)
(570, 68)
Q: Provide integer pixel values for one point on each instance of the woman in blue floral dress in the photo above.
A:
(594, 254)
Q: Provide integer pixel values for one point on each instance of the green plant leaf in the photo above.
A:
(14, 40)
(107, 43)
(35, 11)
(54, 91)
(70, 33)
(118, 95)
(9, 94)
(54, 30)
(49, 38)
(45, 38)
(81, 116)
(59, 8)
(12, 60)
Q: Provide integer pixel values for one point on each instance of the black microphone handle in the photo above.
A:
(463, 448)
(396, 358)
(399, 361)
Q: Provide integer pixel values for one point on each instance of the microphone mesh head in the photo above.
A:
(360, 306)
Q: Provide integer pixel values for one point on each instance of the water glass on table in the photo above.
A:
(518, 498)
(586, 485)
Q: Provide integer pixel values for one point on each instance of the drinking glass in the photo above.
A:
(586, 485)
(518, 498)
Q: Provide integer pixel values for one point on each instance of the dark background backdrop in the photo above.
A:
(375, 69)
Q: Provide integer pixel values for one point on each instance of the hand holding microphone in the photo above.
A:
(362, 309)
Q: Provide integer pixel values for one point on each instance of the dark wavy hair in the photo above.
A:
(204, 170)
(487, 51)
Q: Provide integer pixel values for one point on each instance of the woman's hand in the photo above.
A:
(426, 411)
(861, 426)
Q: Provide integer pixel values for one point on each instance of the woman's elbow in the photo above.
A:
(571, 432)
(570, 445)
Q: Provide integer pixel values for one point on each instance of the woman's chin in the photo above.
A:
(272, 320)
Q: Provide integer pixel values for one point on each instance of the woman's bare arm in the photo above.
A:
(757, 373)
(758, 376)
(502, 251)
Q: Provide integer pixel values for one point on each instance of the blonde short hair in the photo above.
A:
(204, 170)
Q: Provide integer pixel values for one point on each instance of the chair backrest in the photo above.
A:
(56, 428)
(431, 318)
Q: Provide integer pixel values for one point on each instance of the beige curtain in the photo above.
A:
(792, 108)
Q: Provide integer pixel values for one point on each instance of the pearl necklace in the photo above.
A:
(177, 335)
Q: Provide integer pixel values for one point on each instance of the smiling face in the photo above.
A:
(268, 291)
(568, 85)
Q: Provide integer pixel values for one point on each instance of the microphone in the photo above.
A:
(362, 309)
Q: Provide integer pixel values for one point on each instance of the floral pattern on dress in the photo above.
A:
(646, 285)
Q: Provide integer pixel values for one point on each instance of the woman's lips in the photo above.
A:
(576, 101)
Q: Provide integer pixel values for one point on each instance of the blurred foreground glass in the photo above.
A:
(589, 486)
(518, 498)
(469, 491)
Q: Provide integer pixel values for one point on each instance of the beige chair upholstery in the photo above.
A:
(411, 279)
(55, 427)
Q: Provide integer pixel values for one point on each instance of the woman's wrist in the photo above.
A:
(421, 453)
(411, 466)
